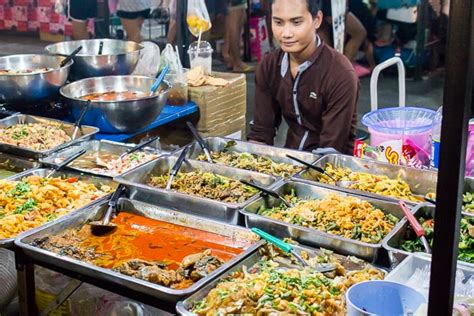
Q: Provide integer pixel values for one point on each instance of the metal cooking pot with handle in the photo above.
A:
(117, 58)
(116, 116)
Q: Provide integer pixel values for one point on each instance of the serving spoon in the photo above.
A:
(77, 124)
(99, 228)
(266, 191)
(417, 228)
(159, 80)
(342, 184)
(174, 170)
(202, 142)
(99, 162)
(65, 162)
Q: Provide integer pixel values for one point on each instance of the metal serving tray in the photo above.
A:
(421, 181)
(184, 307)
(277, 154)
(405, 270)
(310, 236)
(84, 133)
(135, 207)
(42, 172)
(92, 146)
(16, 164)
(137, 179)
(396, 236)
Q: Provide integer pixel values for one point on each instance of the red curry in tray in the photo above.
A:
(148, 249)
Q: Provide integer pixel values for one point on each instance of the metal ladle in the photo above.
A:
(104, 226)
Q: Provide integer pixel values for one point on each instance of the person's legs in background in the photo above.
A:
(132, 22)
(79, 11)
(357, 35)
(235, 20)
(79, 30)
(132, 28)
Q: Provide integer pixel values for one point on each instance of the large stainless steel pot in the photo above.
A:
(34, 87)
(118, 57)
(116, 116)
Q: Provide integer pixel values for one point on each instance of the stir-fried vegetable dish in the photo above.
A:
(466, 238)
(363, 181)
(273, 287)
(148, 249)
(34, 136)
(208, 185)
(35, 200)
(344, 216)
(253, 162)
(468, 202)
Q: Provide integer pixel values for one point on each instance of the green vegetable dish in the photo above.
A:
(466, 238)
(276, 286)
(468, 202)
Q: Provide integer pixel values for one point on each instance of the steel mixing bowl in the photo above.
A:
(118, 57)
(125, 116)
(28, 88)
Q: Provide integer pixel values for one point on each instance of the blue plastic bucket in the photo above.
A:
(382, 298)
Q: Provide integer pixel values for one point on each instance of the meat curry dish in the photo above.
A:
(155, 251)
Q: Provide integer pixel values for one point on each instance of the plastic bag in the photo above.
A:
(197, 17)
(170, 57)
(149, 62)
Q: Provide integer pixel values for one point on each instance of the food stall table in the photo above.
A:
(25, 266)
(169, 113)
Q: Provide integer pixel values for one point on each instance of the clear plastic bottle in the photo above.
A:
(436, 138)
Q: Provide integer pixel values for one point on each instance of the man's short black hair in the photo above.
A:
(314, 6)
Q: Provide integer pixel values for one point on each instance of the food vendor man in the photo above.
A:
(309, 84)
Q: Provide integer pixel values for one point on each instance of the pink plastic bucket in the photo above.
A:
(406, 130)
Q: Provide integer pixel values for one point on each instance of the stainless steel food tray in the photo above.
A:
(155, 212)
(276, 154)
(16, 164)
(84, 133)
(42, 172)
(310, 236)
(421, 181)
(184, 307)
(137, 179)
(396, 236)
(468, 187)
(95, 146)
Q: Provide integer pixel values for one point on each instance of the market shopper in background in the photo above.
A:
(309, 84)
(132, 13)
(234, 25)
(80, 11)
